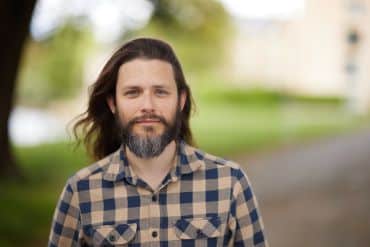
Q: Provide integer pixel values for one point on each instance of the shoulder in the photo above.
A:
(94, 171)
(211, 161)
(231, 173)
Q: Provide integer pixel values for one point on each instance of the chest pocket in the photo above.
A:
(194, 228)
(114, 235)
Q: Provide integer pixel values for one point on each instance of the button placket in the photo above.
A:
(154, 213)
(145, 212)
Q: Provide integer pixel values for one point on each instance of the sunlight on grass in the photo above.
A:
(229, 129)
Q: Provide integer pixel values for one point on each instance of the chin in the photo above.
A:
(149, 129)
(148, 132)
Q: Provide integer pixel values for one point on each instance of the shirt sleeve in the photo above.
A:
(66, 222)
(248, 224)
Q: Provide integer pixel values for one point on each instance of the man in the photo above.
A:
(149, 187)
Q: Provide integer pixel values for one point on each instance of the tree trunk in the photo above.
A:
(15, 17)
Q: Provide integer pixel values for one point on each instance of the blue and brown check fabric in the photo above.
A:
(203, 201)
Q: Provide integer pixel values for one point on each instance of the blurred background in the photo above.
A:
(282, 87)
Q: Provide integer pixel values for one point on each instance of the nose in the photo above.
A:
(148, 103)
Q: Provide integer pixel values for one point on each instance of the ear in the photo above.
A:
(183, 97)
(112, 104)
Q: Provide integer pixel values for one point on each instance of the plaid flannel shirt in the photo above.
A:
(203, 201)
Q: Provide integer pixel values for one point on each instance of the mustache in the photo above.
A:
(147, 116)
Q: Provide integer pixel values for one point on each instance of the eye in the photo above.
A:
(132, 93)
(161, 92)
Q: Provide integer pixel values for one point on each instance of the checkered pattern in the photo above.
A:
(203, 201)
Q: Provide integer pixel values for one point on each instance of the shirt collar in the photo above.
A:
(189, 159)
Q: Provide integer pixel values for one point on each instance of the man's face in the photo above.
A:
(146, 106)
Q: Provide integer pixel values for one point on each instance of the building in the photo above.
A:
(324, 51)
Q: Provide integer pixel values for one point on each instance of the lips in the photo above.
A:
(148, 121)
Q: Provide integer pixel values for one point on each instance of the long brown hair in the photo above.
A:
(99, 130)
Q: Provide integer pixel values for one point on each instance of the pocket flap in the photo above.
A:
(114, 234)
(191, 228)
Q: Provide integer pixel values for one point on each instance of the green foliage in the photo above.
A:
(48, 162)
(199, 31)
(221, 93)
(53, 68)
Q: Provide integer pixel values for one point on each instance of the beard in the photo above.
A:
(149, 145)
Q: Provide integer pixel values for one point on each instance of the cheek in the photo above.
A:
(169, 111)
(169, 105)
(126, 110)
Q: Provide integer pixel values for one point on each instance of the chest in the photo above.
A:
(191, 208)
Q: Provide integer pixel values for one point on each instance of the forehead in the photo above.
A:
(146, 72)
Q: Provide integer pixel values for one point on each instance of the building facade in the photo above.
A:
(324, 51)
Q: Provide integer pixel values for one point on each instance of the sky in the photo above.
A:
(109, 18)
(105, 14)
(279, 9)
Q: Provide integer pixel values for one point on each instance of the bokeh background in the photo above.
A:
(282, 87)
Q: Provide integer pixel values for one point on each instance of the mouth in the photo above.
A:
(148, 121)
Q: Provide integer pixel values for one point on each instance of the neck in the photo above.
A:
(156, 166)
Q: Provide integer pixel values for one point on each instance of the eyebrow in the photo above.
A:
(130, 87)
(158, 86)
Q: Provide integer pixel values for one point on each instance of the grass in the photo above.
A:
(27, 209)
(231, 126)
(225, 127)
(29, 205)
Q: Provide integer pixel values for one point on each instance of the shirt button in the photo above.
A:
(154, 234)
(199, 233)
(154, 198)
(112, 238)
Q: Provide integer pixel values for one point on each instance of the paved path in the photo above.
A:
(315, 194)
